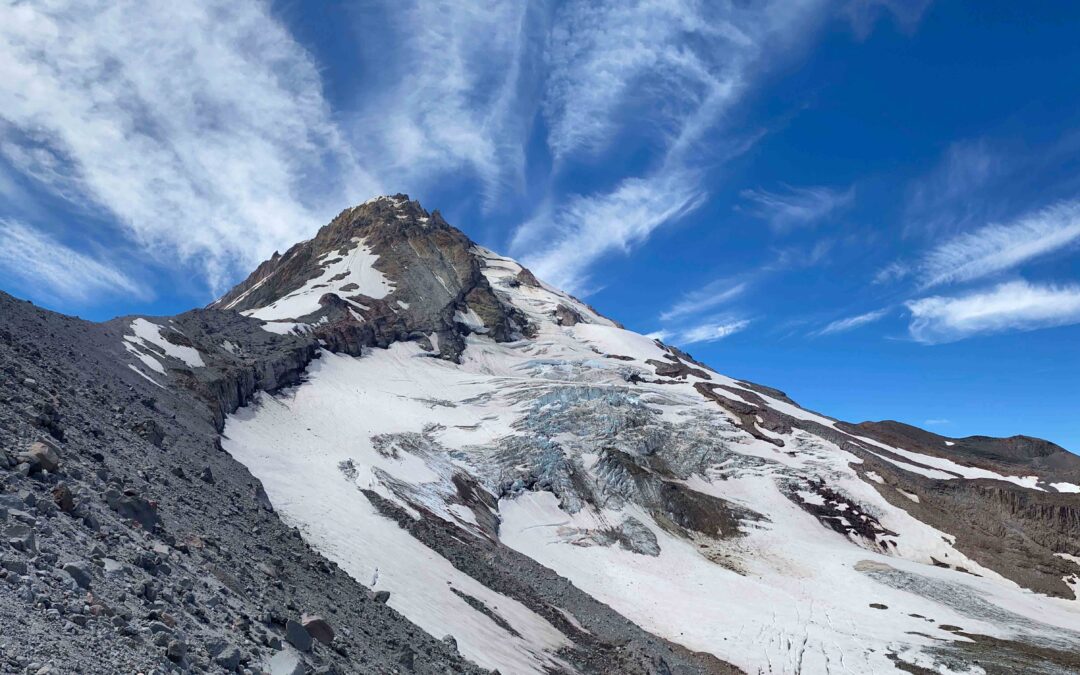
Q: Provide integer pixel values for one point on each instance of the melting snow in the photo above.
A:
(357, 266)
(147, 333)
(147, 377)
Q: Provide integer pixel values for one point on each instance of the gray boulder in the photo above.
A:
(79, 572)
(297, 635)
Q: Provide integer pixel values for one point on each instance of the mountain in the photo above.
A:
(392, 450)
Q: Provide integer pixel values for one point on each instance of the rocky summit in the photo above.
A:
(390, 450)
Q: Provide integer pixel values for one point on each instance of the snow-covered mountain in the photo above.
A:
(457, 392)
(486, 474)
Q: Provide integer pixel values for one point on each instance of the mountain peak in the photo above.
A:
(387, 270)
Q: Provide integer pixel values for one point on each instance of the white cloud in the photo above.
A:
(951, 197)
(586, 228)
(852, 322)
(796, 206)
(996, 248)
(455, 97)
(607, 55)
(613, 63)
(201, 127)
(894, 271)
(711, 331)
(863, 14)
(50, 268)
(712, 294)
(1015, 305)
(936, 422)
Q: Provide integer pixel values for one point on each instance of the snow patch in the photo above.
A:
(913, 497)
(356, 266)
(148, 333)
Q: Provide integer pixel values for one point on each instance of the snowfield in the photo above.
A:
(779, 594)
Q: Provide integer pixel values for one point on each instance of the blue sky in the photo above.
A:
(873, 205)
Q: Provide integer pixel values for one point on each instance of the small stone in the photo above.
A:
(63, 498)
(381, 596)
(297, 635)
(79, 572)
(176, 650)
(229, 658)
(207, 476)
(159, 627)
(16, 566)
(21, 538)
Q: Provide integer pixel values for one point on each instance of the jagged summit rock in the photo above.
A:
(382, 272)
(484, 473)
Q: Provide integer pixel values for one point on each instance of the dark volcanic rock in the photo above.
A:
(430, 264)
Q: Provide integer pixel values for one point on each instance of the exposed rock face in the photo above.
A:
(1033, 456)
(500, 478)
(435, 279)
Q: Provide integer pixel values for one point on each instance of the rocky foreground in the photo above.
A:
(389, 450)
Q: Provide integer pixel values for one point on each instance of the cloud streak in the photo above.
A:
(613, 66)
(204, 132)
(585, 228)
(452, 100)
(713, 331)
(49, 267)
(793, 207)
(711, 295)
(852, 322)
(1016, 305)
(997, 248)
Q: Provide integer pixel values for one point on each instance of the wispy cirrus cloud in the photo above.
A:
(1000, 247)
(710, 330)
(954, 194)
(792, 207)
(606, 56)
(1015, 305)
(39, 261)
(852, 322)
(711, 295)
(894, 271)
(863, 14)
(451, 100)
(585, 228)
(614, 64)
(203, 132)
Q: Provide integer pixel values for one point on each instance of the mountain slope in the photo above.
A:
(558, 494)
